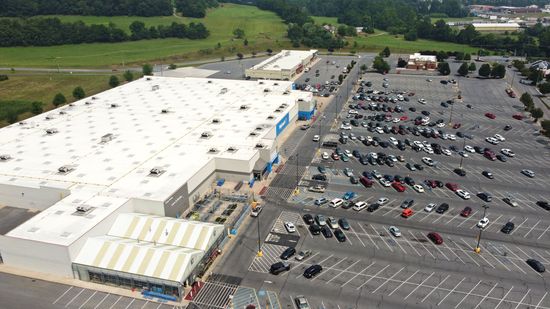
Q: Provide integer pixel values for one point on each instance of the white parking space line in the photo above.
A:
(358, 274)
(387, 280)
(410, 244)
(292, 302)
(403, 282)
(508, 258)
(484, 297)
(517, 228)
(498, 260)
(467, 252)
(119, 298)
(145, 304)
(345, 270)
(541, 257)
(521, 301)
(331, 267)
(451, 291)
(533, 227)
(370, 238)
(384, 240)
(421, 283)
(95, 292)
(67, 304)
(371, 277)
(437, 287)
(355, 233)
(100, 302)
(450, 249)
(504, 297)
(466, 219)
(437, 247)
(480, 255)
(543, 296)
(467, 294)
(544, 232)
(70, 288)
(422, 244)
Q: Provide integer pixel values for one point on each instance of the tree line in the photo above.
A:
(51, 31)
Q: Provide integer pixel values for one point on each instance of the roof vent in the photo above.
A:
(210, 82)
(232, 149)
(114, 105)
(71, 104)
(286, 92)
(95, 98)
(62, 112)
(156, 171)
(212, 150)
(5, 157)
(164, 111)
(216, 120)
(261, 83)
(270, 117)
(223, 91)
(22, 123)
(275, 84)
(51, 131)
(259, 128)
(260, 145)
(253, 134)
(49, 117)
(107, 137)
(65, 169)
(148, 78)
(277, 110)
(155, 87)
(88, 103)
(266, 90)
(206, 135)
(244, 107)
(83, 208)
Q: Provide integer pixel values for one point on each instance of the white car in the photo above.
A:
(289, 226)
(422, 101)
(352, 136)
(426, 144)
(528, 173)
(369, 138)
(445, 136)
(393, 140)
(452, 137)
(333, 223)
(469, 148)
(418, 188)
(463, 194)
(430, 207)
(483, 223)
(316, 138)
(395, 231)
(418, 143)
(499, 137)
(428, 150)
(384, 182)
(360, 206)
(379, 130)
(325, 156)
(345, 127)
(392, 158)
(383, 200)
(440, 125)
(373, 155)
(507, 152)
(428, 161)
(463, 154)
(352, 111)
(396, 120)
(491, 140)
(446, 152)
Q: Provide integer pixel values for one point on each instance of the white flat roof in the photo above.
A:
(285, 60)
(495, 25)
(143, 138)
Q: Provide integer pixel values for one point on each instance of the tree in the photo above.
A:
(245, 42)
(269, 51)
(526, 99)
(412, 35)
(36, 108)
(537, 113)
(380, 65)
(240, 56)
(128, 76)
(544, 87)
(443, 68)
(363, 67)
(172, 66)
(401, 63)
(78, 93)
(472, 67)
(3, 77)
(468, 57)
(113, 81)
(459, 56)
(147, 69)
(59, 99)
(498, 71)
(463, 69)
(484, 70)
(386, 52)
(238, 33)
(535, 75)
(340, 79)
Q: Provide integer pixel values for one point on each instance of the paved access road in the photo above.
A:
(375, 269)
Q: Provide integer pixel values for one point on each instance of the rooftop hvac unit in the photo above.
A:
(49, 117)
(156, 171)
(244, 107)
(22, 123)
(209, 82)
(51, 131)
(277, 110)
(95, 98)
(223, 91)
(232, 149)
(270, 117)
(212, 150)
(83, 208)
(107, 137)
(71, 104)
(216, 120)
(286, 92)
(266, 90)
(62, 112)
(259, 128)
(260, 145)
(5, 157)
(65, 169)
(148, 78)
(275, 84)
(260, 82)
(155, 87)
(88, 103)
(253, 134)
(114, 105)
(206, 135)
(164, 111)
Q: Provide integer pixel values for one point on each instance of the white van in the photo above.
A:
(359, 206)
(337, 202)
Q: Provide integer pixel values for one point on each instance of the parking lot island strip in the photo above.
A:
(122, 170)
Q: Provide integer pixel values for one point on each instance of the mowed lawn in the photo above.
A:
(397, 44)
(263, 29)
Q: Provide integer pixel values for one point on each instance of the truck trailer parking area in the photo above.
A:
(374, 267)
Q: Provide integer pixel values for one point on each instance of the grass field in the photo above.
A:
(325, 20)
(448, 19)
(263, 30)
(378, 41)
(43, 87)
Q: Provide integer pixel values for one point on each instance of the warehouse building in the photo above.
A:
(108, 176)
(496, 27)
(285, 65)
(421, 62)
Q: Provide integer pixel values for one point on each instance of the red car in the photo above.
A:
(451, 186)
(436, 238)
(489, 154)
(518, 116)
(456, 125)
(466, 212)
(490, 115)
(366, 182)
(511, 93)
(335, 156)
(398, 186)
(403, 118)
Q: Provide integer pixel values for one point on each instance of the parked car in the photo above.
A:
(289, 226)
(256, 211)
(315, 229)
(339, 235)
(325, 230)
(430, 207)
(466, 212)
(301, 302)
(395, 231)
(312, 271)
(536, 265)
(442, 208)
(507, 228)
(435, 237)
(279, 267)
(308, 219)
(344, 224)
(288, 253)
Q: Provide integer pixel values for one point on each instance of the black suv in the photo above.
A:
(373, 207)
(536, 265)
(308, 219)
(442, 208)
(315, 229)
(339, 235)
(544, 205)
(289, 252)
(507, 228)
(320, 177)
(485, 196)
(279, 267)
(312, 270)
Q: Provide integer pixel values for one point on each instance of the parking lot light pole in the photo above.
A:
(297, 191)
(478, 249)
(462, 157)
(260, 253)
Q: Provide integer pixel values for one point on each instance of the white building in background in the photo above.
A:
(108, 175)
(282, 66)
